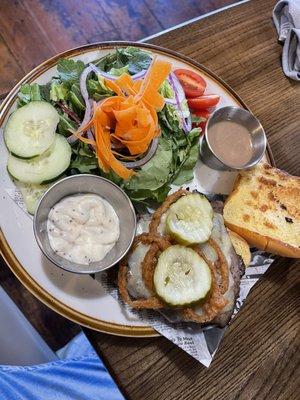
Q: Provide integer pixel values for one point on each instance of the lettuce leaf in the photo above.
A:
(58, 91)
(156, 172)
(166, 90)
(173, 163)
(97, 88)
(84, 159)
(65, 125)
(69, 71)
(118, 71)
(134, 59)
(151, 183)
(169, 120)
(75, 100)
(185, 168)
(29, 92)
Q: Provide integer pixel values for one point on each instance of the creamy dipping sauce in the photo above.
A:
(83, 228)
(231, 142)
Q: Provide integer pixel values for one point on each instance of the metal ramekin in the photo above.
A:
(80, 184)
(240, 116)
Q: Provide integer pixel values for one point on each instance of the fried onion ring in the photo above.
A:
(223, 265)
(155, 221)
(156, 243)
(213, 305)
(150, 261)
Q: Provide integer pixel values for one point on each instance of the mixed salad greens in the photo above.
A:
(53, 136)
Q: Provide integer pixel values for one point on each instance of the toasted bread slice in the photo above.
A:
(241, 247)
(264, 208)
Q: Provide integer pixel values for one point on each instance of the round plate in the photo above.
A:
(81, 298)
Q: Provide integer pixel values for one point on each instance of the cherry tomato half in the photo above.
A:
(204, 102)
(193, 84)
(201, 114)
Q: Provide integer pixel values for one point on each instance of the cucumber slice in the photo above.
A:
(181, 276)
(189, 220)
(31, 194)
(30, 130)
(45, 168)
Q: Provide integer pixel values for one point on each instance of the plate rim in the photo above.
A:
(5, 250)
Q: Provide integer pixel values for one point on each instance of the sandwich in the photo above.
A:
(188, 261)
(241, 247)
(184, 264)
(264, 209)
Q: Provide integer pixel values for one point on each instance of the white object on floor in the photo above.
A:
(20, 343)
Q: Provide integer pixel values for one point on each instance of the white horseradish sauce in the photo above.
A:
(83, 228)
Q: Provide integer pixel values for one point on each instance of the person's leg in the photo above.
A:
(76, 372)
(77, 347)
(81, 378)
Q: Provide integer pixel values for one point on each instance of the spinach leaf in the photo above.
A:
(84, 159)
(65, 125)
(155, 173)
(131, 58)
(69, 71)
(75, 100)
(45, 92)
(189, 156)
(137, 60)
(151, 183)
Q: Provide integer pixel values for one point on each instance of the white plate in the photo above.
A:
(81, 298)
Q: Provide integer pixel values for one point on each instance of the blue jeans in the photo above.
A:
(78, 375)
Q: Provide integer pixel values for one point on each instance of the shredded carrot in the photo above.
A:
(112, 86)
(126, 83)
(128, 119)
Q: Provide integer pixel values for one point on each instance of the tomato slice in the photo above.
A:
(193, 84)
(204, 102)
(201, 114)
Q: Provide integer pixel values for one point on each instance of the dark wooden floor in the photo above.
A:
(32, 31)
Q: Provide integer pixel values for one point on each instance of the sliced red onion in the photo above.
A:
(144, 160)
(170, 101)
(90, 136)
(179, 97)
(176, 86)
(102, 73)
(139, 75)
(108, 76)
(88, 108)
(188, 122)
(174, 82)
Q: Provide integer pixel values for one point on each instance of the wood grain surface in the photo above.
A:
(33, 30)
(259, 357)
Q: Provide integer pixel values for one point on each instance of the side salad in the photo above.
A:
(127, 117)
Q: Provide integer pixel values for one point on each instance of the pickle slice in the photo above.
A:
(181, 276)
(189, 220)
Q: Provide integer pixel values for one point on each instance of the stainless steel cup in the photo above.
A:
(85, 183)
(244, 118)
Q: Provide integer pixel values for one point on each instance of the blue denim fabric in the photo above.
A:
(79, 376)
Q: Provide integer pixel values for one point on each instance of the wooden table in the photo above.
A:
(259, 356)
